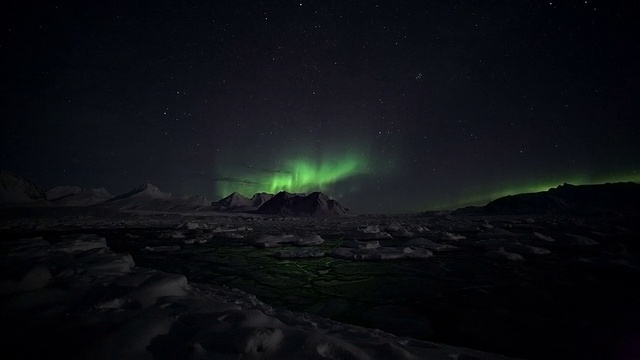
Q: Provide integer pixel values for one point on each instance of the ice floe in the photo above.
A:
(268, 241)
(429, 244)
(502, 254)
(579, 240)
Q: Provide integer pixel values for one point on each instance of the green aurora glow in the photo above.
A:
(349, 172)
(298, 175)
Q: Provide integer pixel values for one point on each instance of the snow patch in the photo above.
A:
(543, 237)
(502, 254)
(429, 244)
(579, 240)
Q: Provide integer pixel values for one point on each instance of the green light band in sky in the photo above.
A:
(299, 175)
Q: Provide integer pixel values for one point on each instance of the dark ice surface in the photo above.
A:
(579, 300)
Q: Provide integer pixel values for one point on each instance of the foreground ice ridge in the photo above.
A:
(78, 299)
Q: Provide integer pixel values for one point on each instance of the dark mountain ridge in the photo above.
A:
(565, 199)
(314, 204)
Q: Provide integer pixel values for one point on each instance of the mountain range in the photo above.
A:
(566, 198)
(314, 204)
(238, 202)
(16, 191)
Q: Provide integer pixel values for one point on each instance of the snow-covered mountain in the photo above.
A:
(235, 201)
(314, 204)
(16, 190)
(61, 191)
(197, 199)
(260, 198)
(83, 197)
(149, 197)
(238, 202)
(145, 190)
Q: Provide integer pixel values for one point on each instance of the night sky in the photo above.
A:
(386, 106)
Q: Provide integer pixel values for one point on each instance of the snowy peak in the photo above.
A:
(146, 190)
(260, 198)
(58, 192)
(234, 201)
(149, 198)
(16, 190)
(314, 204)
(199, 199)
(101, 191)
(321, 202)
(319, 198)
(281, 203)
(75, 196)
(282, 195)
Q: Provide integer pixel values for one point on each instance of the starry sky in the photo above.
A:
(386, 106)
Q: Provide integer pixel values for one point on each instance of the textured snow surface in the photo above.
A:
(268, 241)
(502, 254)
(534, 286)
(429, 244)
(381, 253)
(77, 299)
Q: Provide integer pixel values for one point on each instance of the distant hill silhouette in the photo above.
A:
(566, 198)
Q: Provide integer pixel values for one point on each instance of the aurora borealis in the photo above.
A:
(387, 106)
(296, 176)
